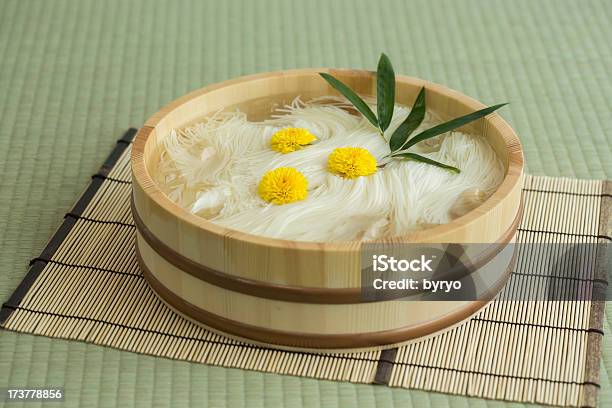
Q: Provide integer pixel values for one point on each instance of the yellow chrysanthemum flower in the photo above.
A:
(283, 185)
(291, 139)
(351, 162)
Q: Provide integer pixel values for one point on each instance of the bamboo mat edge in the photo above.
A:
(594, 343)
(37, 264)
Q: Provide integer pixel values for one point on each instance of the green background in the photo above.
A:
(74, 74)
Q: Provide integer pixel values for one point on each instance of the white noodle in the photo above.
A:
(213, 169)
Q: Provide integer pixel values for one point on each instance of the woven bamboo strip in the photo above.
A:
(551, 358)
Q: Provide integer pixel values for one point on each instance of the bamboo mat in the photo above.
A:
(86, 285)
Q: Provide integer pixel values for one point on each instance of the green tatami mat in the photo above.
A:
(75, 73)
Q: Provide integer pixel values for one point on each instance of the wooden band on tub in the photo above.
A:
(300, 294)
(303, 340)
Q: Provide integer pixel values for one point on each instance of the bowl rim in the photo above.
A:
(141, 174)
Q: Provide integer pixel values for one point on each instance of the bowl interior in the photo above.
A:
(258, 96)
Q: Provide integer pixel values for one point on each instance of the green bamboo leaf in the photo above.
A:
(352, 97)
(414, 119)
(451, 125)
(385, 92)
(423, 159)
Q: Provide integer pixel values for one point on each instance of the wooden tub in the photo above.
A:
(303, 295)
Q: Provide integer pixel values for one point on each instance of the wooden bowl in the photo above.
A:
(302, 295)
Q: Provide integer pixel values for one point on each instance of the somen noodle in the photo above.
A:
(213, 169)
